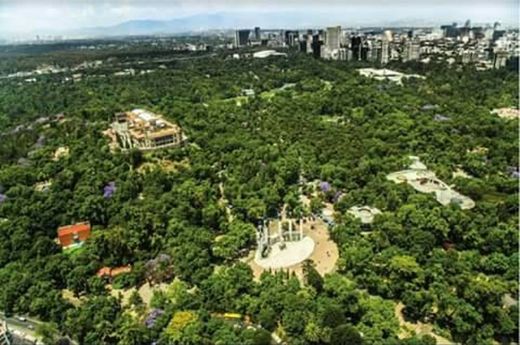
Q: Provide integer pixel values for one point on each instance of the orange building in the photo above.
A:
(112, 272)
(73, 234)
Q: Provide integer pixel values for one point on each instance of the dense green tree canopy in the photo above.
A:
(244, 157)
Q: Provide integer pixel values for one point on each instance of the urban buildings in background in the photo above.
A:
(484, 46)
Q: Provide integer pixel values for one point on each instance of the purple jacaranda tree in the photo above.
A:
(325, 186)
(152, 317)
(109, 190)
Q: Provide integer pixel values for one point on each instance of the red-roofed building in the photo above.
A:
(73, 234)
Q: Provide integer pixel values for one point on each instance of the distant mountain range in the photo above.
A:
(223, 21)
(298, 19)
(146, 27)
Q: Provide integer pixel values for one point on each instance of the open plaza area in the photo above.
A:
(316, 245)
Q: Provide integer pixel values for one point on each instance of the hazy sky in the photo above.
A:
(50, 16)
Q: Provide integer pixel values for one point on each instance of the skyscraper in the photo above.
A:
(388, 35)
(290, 37)
(316, 46)
(497, 34)
(412, 50)
(333, 38)
(257, 33)
(303, 45)
(499, 58)
(450, 31)
(241, 37)
(355, 46)
(365, 48)
(309, 41)
(342, 54)
(385, 50)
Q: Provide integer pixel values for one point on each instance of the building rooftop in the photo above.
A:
(143, 130)
(70, 229)
(266, 53)
(425, 181)
(72, 234)
(382, 74)
(113, 271)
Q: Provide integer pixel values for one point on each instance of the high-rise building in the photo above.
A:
(450, 31)
(333, 38)
(385, 50)
(342, 54)
(388, 35)
(291, 37)
(499, 58)
(355, 46)
(309, 42)
(497, 34)
(257, 33)
(303, 46)
(373, 51)
(316, 46)
(241, 37)
(412, 51)
(325, 53)
(365, 48)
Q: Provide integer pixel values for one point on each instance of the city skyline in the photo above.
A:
(70, 17)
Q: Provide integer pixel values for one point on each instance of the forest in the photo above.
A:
(447, 267)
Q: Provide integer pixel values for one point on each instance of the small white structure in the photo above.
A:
(266, 53)
(61, 152)
(43, 186)
(507, 113)
(416, 163)
(364, 213)
(386, 74)
(425, 181)
(248, 92)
